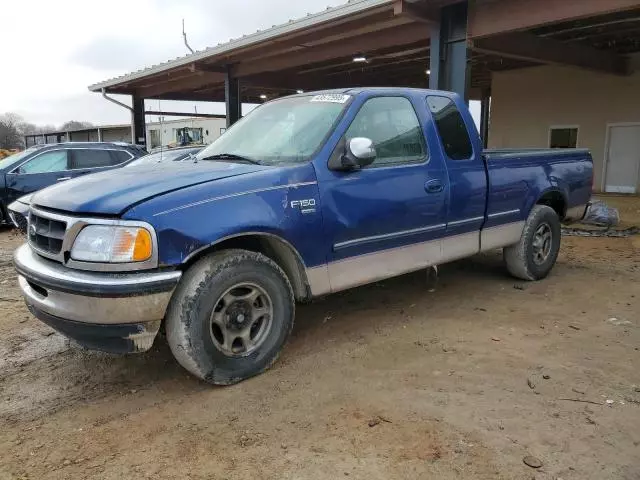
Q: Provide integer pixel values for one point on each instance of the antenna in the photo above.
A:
(184, 35)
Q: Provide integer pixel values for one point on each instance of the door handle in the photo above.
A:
(63, 179)
(434, 186)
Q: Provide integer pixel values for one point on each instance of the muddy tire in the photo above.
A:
(230, 316)
(536, 253)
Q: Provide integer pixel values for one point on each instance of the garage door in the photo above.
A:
(623, 159)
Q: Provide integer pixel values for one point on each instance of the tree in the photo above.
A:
(75, 125)
(10, 131)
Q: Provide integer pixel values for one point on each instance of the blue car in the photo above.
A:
(305, 196)
(41, 166)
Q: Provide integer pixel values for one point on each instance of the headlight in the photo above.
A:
(112, 244)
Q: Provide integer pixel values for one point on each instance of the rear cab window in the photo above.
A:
(451, 127)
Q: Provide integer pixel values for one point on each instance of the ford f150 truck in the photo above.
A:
(307, 195)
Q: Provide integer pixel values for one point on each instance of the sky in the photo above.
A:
(55, 49)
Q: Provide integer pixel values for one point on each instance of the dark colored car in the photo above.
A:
(167, 155)
(39, 167)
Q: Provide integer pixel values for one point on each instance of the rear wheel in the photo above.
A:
(230, 316)
(535, 255)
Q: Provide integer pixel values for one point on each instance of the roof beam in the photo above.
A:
(488, 18)
(191, 83)
(357, 45)
(365, 22)
(415, 12)
(525, 46)
(184, 114)
(202, 68)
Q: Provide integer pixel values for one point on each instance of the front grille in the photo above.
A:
(46, 234)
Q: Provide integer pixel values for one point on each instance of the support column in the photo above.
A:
(138, 128)
(232, 97)
(485, 108)
(449, 50)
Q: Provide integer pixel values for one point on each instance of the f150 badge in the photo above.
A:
(305, 206)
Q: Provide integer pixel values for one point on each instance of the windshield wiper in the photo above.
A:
(231, 156)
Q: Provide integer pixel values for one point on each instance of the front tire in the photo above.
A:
(535, 255)
(230, 316)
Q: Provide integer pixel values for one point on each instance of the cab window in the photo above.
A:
(451, 128)
(393, 126)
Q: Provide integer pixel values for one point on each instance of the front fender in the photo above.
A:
(190, 220)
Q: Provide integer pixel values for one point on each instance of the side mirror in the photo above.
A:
(359, 152)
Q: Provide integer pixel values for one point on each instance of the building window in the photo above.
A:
(187, 135)
(563, 137)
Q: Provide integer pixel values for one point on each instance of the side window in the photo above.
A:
(91, 158)
(119, 156)
(451, 128)
(391, 123)
(49, 162)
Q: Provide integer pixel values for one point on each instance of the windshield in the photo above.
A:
(289, 130)
(164, 156)
(16, 157)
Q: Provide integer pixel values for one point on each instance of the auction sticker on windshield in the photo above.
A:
(331, 98)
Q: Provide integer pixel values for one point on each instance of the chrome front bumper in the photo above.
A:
(92, 302)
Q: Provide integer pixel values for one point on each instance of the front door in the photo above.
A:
(41, 171)
(623, 159)
(387, 218)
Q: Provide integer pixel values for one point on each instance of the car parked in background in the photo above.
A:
(19, 210)
(42, 166)
(167, 155)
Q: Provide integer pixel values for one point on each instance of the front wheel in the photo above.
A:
(230, 316)
(535, 255)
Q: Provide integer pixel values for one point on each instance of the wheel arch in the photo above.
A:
(556, 199)
(273, 246)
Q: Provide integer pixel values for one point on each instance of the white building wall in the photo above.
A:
(212, 128)
(116, 134)
(526, 103)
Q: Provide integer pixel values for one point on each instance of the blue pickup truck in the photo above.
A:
(307, 195)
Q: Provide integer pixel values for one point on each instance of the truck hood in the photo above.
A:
(115, 191)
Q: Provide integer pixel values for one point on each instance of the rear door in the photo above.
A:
(467, 178)
(387, 218)
(42, 170)
(87, 160)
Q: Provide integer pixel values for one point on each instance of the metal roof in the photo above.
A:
(312, 19)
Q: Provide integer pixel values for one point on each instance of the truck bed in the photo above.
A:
(517, 178)
(551, 153)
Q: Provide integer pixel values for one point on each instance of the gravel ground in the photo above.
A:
(403, 379)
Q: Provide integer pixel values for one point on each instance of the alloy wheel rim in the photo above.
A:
(241, 319)
(542, 243)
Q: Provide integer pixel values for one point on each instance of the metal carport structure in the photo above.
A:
(446, 44)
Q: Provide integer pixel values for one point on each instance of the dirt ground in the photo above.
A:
(404, 379)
